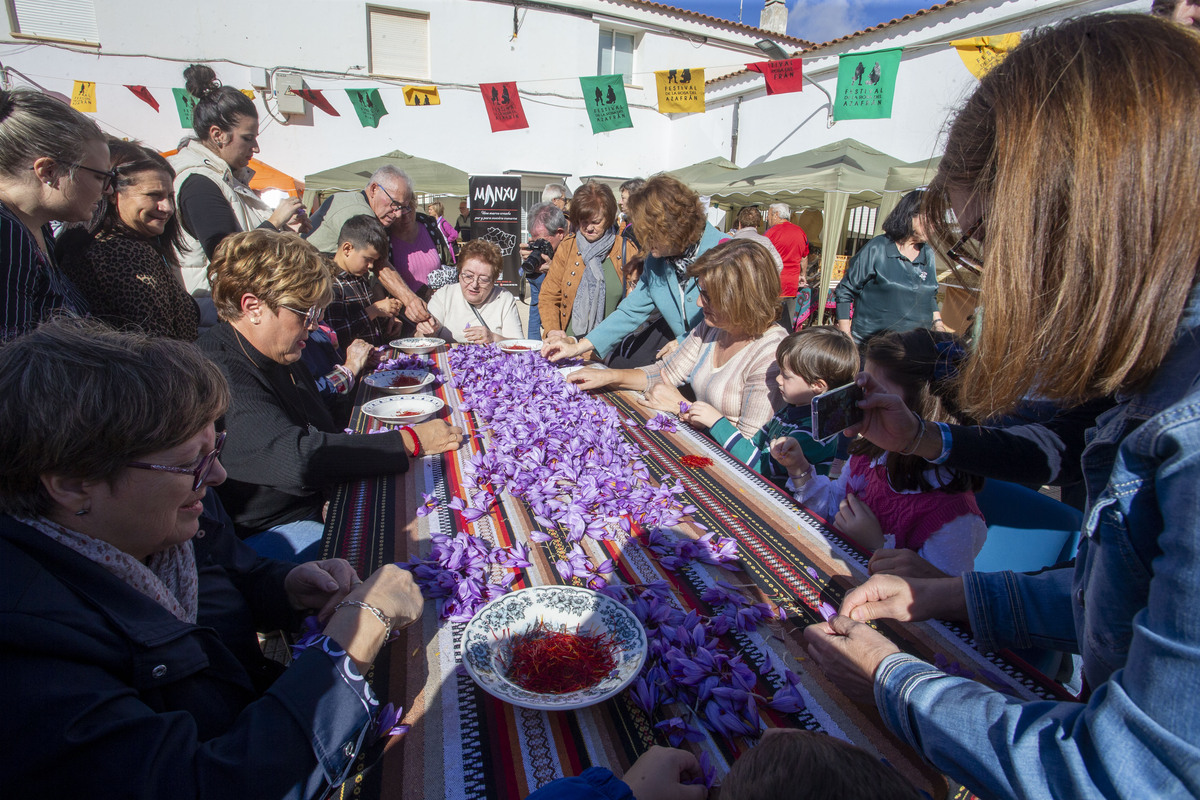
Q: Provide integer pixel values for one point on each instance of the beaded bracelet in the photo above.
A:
(416, 441)
(916, 442)
(384, 618)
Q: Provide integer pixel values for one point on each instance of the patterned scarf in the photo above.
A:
(683, 261)
(588, 309)
(169, 578)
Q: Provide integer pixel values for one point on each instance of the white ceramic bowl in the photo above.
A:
(486, 638)
(383, 381)
(520, 346)
(403, 409)
(418, 346)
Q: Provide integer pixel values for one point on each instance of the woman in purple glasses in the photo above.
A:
(128, 609)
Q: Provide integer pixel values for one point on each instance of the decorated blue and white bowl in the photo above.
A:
(486, 642)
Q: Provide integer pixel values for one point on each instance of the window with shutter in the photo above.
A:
(71, 20)
(399, 43)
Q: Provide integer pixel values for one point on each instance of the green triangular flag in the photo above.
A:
(368, 105)
(866, 84)
(184, 103)
(604, 98)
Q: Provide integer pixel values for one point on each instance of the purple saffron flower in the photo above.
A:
(645, 694)
(788, 700)
(564, 570)
(429, 502)
(387, 722)
(677, 731)
(708, 773)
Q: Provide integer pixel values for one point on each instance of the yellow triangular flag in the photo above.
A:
(981, 53)
(680, 90)
(83, 96)
(249, 93)
(421, 96)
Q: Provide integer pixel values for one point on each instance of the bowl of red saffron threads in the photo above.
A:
(553, 648)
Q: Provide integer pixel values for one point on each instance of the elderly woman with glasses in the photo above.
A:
(128, 610)
(475, 310)
(53, 167)
(285, 448)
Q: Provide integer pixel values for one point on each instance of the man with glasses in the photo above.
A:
(390, 198)
(548, 224)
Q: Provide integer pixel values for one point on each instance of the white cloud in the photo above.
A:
(824, 20)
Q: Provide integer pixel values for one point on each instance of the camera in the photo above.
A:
(532, 266)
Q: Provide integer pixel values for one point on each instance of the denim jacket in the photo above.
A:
(1130, 607)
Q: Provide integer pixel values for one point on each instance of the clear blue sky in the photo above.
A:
(815, 20)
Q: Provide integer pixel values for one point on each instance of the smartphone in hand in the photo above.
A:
(836, 410)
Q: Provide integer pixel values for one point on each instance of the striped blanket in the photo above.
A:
(464, 743)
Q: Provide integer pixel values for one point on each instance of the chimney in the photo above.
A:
(774, 17)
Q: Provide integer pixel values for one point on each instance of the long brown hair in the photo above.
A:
(923, 363)
(1079, 150)
(132, 160)
(667, 215)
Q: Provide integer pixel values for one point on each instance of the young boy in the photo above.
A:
(811, 361)
(362, 243)
(790, 764)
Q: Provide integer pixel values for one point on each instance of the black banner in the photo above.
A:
(496, 216)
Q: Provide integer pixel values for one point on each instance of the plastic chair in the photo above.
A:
(1026, 529)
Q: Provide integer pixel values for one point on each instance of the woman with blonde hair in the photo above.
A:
(448, 231)
(1066, 171)
(672, 227)
(285, 451)
(53, 167)
(729, 357)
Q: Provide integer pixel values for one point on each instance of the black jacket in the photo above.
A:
(284, 448)
(106, 694)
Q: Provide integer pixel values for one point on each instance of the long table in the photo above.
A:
(464, 743)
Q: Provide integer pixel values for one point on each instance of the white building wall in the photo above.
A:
(150, 42)
(932, 82)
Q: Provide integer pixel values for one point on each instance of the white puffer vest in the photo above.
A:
(194, 158)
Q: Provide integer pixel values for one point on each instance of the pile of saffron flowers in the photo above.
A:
(565, 454)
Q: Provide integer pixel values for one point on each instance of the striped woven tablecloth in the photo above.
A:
(464, 743)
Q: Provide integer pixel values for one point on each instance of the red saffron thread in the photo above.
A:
(696, 461)
(555, 662)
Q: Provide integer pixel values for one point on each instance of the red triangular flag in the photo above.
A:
(143, 94)
(315, 97)
(503, 106)
(782, 76)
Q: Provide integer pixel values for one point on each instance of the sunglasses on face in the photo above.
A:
(958, 251)
(199, 472)
(311, 317)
